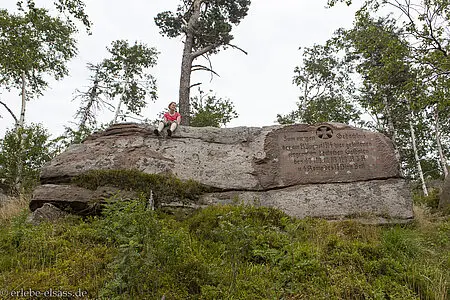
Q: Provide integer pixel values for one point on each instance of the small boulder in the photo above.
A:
(48, 212)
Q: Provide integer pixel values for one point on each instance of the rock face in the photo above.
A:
(324, 170)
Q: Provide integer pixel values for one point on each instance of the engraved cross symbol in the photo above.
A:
(324, 132)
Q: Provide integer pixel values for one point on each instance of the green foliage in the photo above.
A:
(430, 201)
(226, 252)
(33, 43)
(209, 110)
(213, 26)
(37, 149)
(404, 65)
(165, 188)
(71, 9)
(124, 75)
(66, 256)
(325, 87)
(129, 79)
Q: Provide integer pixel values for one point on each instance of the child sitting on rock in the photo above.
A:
(172, 118)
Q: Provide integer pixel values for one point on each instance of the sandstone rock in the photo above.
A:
(384, 201)
(248, 158)
(75, 199)
(329, 170)
(47, 212)
(444, 200)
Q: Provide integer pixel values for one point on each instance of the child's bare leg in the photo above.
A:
(160, 126)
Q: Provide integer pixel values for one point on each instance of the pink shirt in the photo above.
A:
(173, 117)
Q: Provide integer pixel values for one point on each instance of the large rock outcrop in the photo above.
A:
(324, 170)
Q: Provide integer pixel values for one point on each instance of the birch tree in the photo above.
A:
(326, 89)
(206, 26)
(33, 44)
(125, 75)
(389, 89)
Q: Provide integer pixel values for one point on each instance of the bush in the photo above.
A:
(431, 201)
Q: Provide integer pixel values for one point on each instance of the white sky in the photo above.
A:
(259, 84)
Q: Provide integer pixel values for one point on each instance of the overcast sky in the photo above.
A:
(259, 84)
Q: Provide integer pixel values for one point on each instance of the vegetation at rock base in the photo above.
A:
(225, 252)
(164, 188)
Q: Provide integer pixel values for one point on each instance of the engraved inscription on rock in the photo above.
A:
(326, 153)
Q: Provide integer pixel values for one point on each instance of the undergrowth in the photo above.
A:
(164, 187)
(225, 252)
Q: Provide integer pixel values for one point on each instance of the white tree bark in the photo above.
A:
(23, 108)
(116, 114)
(393, 132)
(442, 159)
(20, 137)
(92, 99)
(416, 155)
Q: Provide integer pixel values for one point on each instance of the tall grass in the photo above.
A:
(226, 252)
(11, 207)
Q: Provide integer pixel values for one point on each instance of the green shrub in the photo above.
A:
(431, 201)
(226, 252)
(68, 255)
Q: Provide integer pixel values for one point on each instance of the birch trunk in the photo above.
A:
(22, 110)
(416, 155)
(19, 135)
(116, 114)
(393, 133)
(438, 142)
(90, 103)
(186, 64)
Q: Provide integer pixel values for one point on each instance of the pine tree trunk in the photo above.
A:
(438, 142)
(416, 155)
(186, 64)
(185, 81)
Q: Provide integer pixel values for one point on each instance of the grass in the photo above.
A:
(226, 252)
(12, 207)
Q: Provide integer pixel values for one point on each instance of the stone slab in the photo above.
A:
(389, 200)
(244, 158)
(323, 153)
(73, 198)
